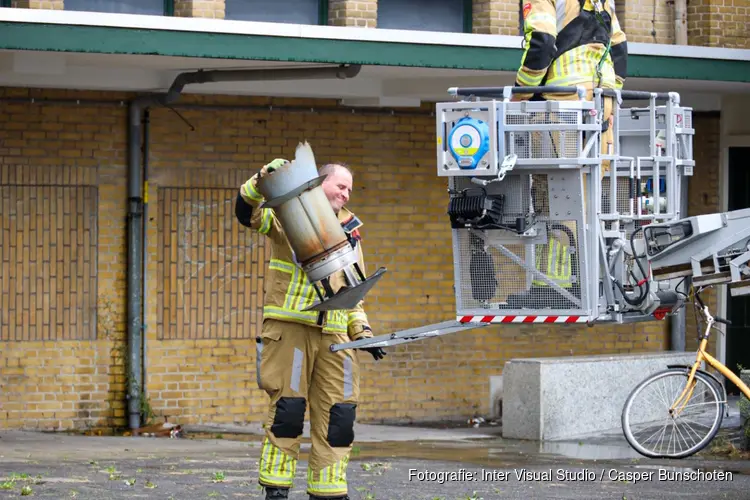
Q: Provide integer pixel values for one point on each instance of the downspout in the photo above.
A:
(680, 22)
(144, 309)
(136, 253)
(678, 325)
(137, 200)
(135, 262)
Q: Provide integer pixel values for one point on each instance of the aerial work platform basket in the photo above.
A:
(544, 223)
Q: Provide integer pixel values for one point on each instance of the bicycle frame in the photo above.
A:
(701, 356)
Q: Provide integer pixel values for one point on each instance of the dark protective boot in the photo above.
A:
(277, 493)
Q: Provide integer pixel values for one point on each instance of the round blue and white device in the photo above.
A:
(469, 141)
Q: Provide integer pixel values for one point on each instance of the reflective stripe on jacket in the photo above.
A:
(565, 42)
(287, 291)
(558, 263)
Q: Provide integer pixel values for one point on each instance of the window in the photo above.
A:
(425, 15)
(278, 11)
(146, 7)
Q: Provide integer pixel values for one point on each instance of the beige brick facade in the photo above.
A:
(647, 21)
(495, 17)
(38, 4)
(64, 268)
(205, 272)
(358, 13)
(211, 9)
(714, 23)
(719, 23)
(703, 198)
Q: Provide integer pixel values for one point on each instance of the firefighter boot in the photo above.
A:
(345, 497)
(277, 493)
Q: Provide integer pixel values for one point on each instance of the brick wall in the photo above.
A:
(38, 4)
(212, 9)
(647, 21)
(495, 17)
(200, 365)
(719, 23)
(359, 13)
(53, 375)
(703, 198)
(639, 19)
(715, 23)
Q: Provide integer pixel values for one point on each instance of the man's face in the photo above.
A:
(338, 187)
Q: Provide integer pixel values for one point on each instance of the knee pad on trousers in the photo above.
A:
(341, 424)
(289, 418)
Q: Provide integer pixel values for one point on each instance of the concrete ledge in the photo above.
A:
(576, 396)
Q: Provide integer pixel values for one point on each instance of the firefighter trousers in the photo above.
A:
(608, 136)
(299, 372)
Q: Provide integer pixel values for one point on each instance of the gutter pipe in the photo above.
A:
(678, 324)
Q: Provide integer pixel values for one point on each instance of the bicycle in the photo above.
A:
(698, 390)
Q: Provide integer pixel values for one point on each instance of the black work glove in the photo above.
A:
(377, 352)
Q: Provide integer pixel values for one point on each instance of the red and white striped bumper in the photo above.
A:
(522, 319)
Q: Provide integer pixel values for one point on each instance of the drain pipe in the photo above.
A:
(137, 207)
(678, 324)
(136, 227)
(144, 246)
(135, 265)
(201, 76)
(680, 22)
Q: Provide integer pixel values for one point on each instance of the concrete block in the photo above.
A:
(575, 396)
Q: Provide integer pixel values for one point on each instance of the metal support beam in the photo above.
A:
(410, 335)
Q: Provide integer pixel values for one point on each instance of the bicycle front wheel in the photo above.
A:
(665, 418)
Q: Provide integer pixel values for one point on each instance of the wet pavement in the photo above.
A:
(387, 463)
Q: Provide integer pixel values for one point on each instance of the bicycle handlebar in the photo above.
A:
(700, 302)
(716, 318)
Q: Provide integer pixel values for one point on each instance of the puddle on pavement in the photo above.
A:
(486, 452)
(589, 451)
(490, 453)
(480, 451)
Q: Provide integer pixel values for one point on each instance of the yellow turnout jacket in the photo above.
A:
(287, 291)
(566, 40)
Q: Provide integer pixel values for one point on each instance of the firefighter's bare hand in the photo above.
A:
(267, 169)
(377, 352)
